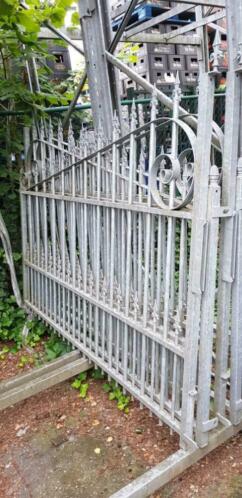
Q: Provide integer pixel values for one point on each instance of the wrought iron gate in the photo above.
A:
(107, 244)
(121, 242)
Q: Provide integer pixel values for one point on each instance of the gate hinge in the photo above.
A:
(209, 425)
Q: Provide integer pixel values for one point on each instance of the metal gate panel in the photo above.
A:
(120, 245)
(104, 265)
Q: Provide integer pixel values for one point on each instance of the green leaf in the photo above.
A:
(76, 384)
(106, 388)
(97, 374)
(83, 390)
(82, 376)
(75, 19)
(58, 16)
(6, 7)
(112, 396)
(25, 19)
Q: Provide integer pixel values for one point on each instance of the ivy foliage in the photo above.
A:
(19, 44)
(12, 321)
(20, 24)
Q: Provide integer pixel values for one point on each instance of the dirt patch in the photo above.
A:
(21, 361)
(58, 445)
(57, 441)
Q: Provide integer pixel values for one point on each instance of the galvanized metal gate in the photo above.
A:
(120, 244)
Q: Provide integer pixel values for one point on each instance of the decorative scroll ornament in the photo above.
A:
(168, 171)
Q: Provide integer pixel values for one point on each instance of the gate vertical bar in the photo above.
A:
(198, 250)
(227, 237)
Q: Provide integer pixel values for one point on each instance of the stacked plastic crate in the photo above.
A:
(158, 63)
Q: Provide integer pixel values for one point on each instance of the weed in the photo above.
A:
(25, 360)
(12, 321)
(55, 347)
(4, 352)
(79, 383)
(115, 393)
(98, 374)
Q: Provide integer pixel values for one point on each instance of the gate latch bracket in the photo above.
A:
(222, 212)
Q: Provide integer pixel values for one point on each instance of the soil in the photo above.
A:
(58, 445)
(11, 364)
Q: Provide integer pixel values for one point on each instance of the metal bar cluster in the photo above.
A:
(132, 249)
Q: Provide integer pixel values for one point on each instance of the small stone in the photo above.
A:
(22, 432)
(95, 422)
(97, 451)
(139, 430)
(109, 440)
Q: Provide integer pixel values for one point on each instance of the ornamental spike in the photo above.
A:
(155, 316)
(119, 298)
(154, 103)
(50, 130)
(91, 282)
(133, 121)
(60, 132)
(177, 89)
(116, 126)
(42, 129)
(216, 55)
(71, 139)
(104, 289)
(136, 307)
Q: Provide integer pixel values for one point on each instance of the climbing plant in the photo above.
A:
(20, 24)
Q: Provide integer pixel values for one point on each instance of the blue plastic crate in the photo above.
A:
(140, 14)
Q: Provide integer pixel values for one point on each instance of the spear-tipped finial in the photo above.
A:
(136, 307)
(154, 103)
(217, 54)
(155, 316)
(71, 139)
(60, 132)
(42, 129)
(177, 87)
(50, 130)
(119, 298)
(177, 80)
(116, 126)
(133, 122)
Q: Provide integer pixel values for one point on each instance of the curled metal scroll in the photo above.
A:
(167, 170)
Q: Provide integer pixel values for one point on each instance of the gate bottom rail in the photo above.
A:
(171, 467)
